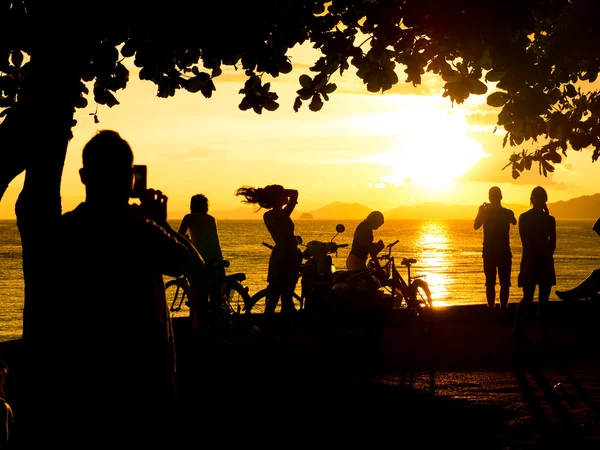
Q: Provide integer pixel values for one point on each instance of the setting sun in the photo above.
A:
(431, 148)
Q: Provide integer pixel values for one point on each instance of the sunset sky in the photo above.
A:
(405, 146)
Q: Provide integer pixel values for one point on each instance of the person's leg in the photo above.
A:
(504, 269)
(543, 297)
(524, 304)
(287, 294)
(489, 269)
(587, 288)
(272, 299)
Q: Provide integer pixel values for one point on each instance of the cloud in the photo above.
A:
(482, 118)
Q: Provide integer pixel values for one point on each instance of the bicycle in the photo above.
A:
(416, 293)
(234, 295)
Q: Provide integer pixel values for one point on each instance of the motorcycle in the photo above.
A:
(341, 298)
(316, 278)
(361, 303)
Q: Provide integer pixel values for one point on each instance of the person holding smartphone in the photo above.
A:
(108, 346)
(497, 256)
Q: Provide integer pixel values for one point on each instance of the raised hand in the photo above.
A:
(154, 205)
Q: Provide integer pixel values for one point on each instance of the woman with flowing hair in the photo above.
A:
(284, 263)
(537, 229)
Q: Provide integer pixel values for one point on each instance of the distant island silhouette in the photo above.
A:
(585, 207)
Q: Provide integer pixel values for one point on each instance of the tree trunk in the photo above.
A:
(44, 117)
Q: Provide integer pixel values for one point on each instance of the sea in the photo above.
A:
(448, 253)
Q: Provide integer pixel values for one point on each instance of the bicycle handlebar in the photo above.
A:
(267, 245)
(394, 243)
(342, 245)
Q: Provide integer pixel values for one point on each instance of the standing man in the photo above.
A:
(497, 257)
(109, 356)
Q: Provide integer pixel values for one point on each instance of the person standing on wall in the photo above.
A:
(497, 256)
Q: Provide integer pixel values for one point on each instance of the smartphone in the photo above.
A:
(140, 180)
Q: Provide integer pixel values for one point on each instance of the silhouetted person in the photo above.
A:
(588, 288)
(537, 229)
(362, 242)
(6, 413)
(111, 355)
(284, 263)
(202, 230)
(497, 257)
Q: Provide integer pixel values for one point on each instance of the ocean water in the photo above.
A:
(448, 252)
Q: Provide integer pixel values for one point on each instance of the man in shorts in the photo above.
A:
(497, 257)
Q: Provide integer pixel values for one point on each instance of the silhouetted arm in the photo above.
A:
(374, 249)
(481, 217)
(292, 195)
(513, 219)
(524, 234)
(185, 225)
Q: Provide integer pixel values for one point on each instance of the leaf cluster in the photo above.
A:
(533, 59)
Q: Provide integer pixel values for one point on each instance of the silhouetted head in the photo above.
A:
(269, 197)
(538, 199)
(199, 204)
(495, 195)
(376, 219)
(107, 171)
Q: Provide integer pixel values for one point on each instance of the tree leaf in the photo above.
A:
(305, 81)
(329, 88)
(477, 87)
(17, 58)
(297, 104)
(494, 75)
(570, 90)
(270, 105)
(316, 103)
(498, 99)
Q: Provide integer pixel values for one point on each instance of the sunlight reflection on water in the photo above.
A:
(433, 239)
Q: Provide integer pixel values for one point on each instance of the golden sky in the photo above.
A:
(405, 146)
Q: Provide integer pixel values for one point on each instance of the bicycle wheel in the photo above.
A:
(256, 303)
(236, 298)
(420, 293)
(178, 293)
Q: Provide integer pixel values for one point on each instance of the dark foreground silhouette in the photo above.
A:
(296, 389)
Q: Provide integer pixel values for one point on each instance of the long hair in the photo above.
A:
(199, 204)
(539, 196)
(263, 197)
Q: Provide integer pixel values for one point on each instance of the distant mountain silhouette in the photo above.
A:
(248, 212)
(339, 210)
(585, 207)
